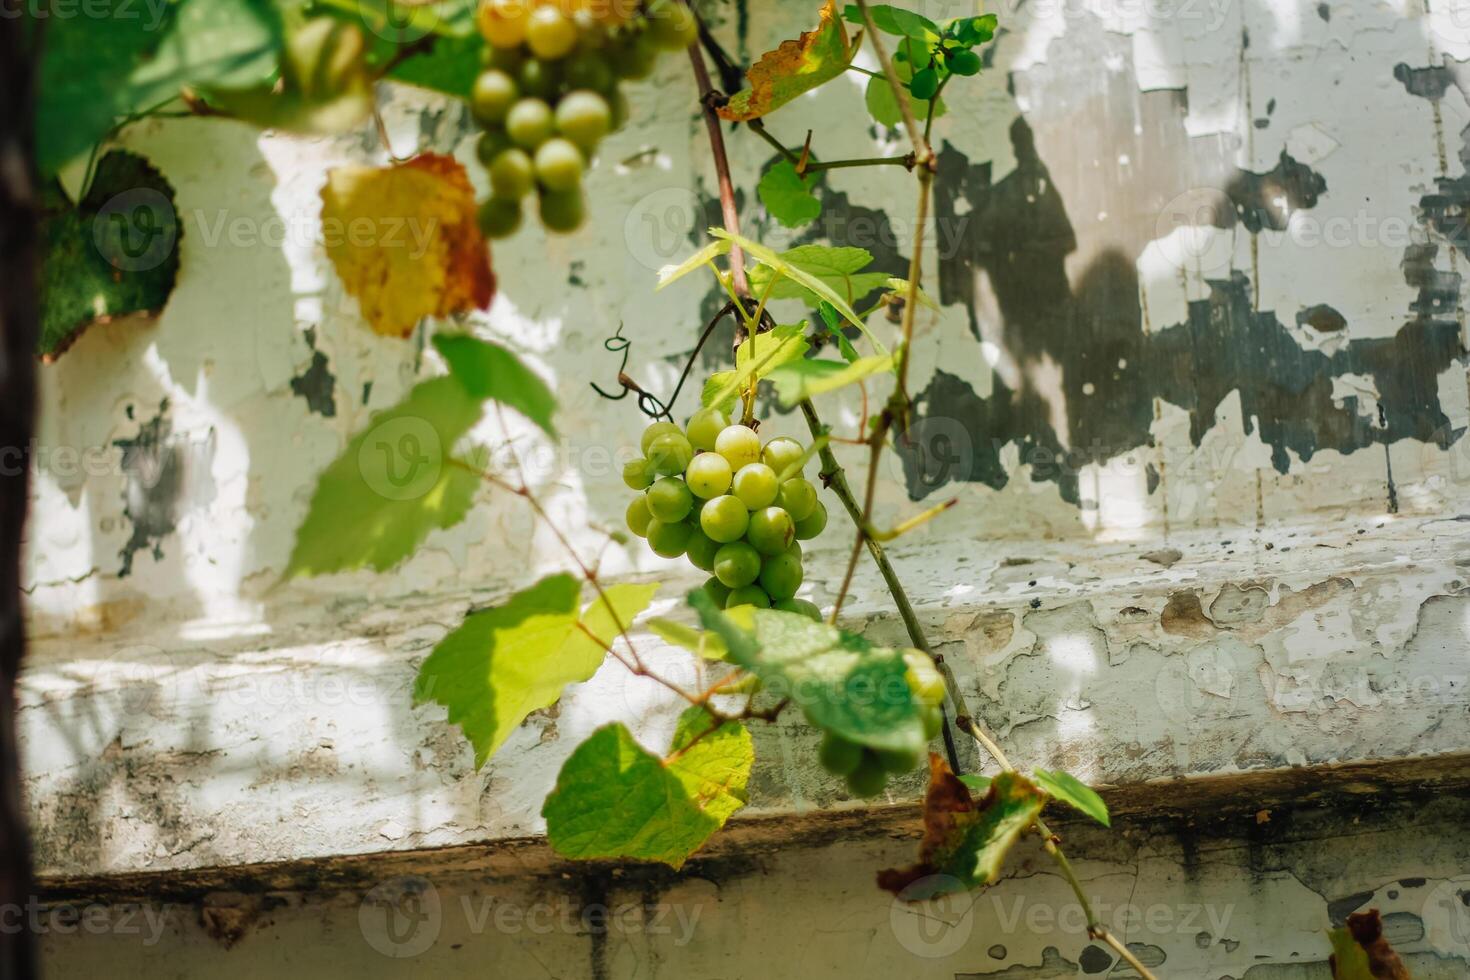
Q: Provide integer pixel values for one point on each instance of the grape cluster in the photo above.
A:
(738, 509)
(867, 770)
(549, 93)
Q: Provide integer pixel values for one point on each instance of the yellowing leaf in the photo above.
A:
(794, 68)
(405, 241)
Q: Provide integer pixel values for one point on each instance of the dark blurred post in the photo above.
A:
(19, 42)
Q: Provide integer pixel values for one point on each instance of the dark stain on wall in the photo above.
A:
(317, 384)
(167, 475)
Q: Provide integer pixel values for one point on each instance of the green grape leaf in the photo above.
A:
(965, 840)
(883, 104)
(1072, 791)
(449, 67)
(971, 31)
(833, 324)
(114, 254)
(788, 196)
(756, 357)
(701, 643)
(96, 69)
(1359, 951)
(393, 485)
(894, 20)
(505, 662)
(705, 256)
(488, 370)
(794, 68)
(615, 799)
(976, 782)
(900, 287)
(837, 268)
(842, 683)
(796, 381)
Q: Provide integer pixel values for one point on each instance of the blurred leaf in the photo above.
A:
(701, 643)
(797, 381)
(375, 504)
(842, 683)
(114, 254)
(971, 31)
(1359, 951)
(965, 841)
(406, 241)
(976, 782)
(794, 68)
(503, 663)
(1073, 792)
(488, 370)
(894, 20)
(756, 357)
(615, 799)
(788, 196)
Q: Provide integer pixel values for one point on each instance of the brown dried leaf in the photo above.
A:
(794, 68)
(1361, 953)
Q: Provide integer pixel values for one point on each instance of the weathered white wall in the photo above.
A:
(1248, 564)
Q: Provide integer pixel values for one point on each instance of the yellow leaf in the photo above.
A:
(793, 68)
(405, 241)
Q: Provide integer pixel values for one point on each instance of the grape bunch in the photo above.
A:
(738, 509)
(867, 770)
(549, 93)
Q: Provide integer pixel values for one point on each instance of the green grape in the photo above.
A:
(541, 79)
(799, 497)
(724, 519)
(781, 576)
(589, 70)
(512, 174)
(493, 94)
(673, 27)
(499, 217)
(933, 721)
(924, 678)
(638, 516)
(559, 164)
(717, 590)
(708, 475)
(670, 453)
(868, 779)
(550, 34)
(813, 524)
(781, 453)
(771, 532)
(529, 123)
(634, 58)
(668, 540)
(491, 144)
(503, 22)
(748, 595)
(839, 756)
(669, 500)
(898, 760)
(737, 564)
(584, 118)
(803, 607)
(739, 444)
(563, 211)
(755, 484)
(702, 550)
(705, 427)
(638, 475)
(653, 432)
(963, 62)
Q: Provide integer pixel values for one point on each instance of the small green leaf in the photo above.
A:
(971, 31)
(1072, 791)
(701, 643)
(705, 256)
(395, 483)
(788, 196)
(925, 83)
(797, 381)
(114, 254)
(894, 20)
(615, 799)
(900, 288)
(488, 370)
(978, 783)
(505, 662)
(833, 323)
(883, 104)
(756, 356)
(449, 67)
(841, 682)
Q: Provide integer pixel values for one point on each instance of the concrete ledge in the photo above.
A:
(288, 737)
